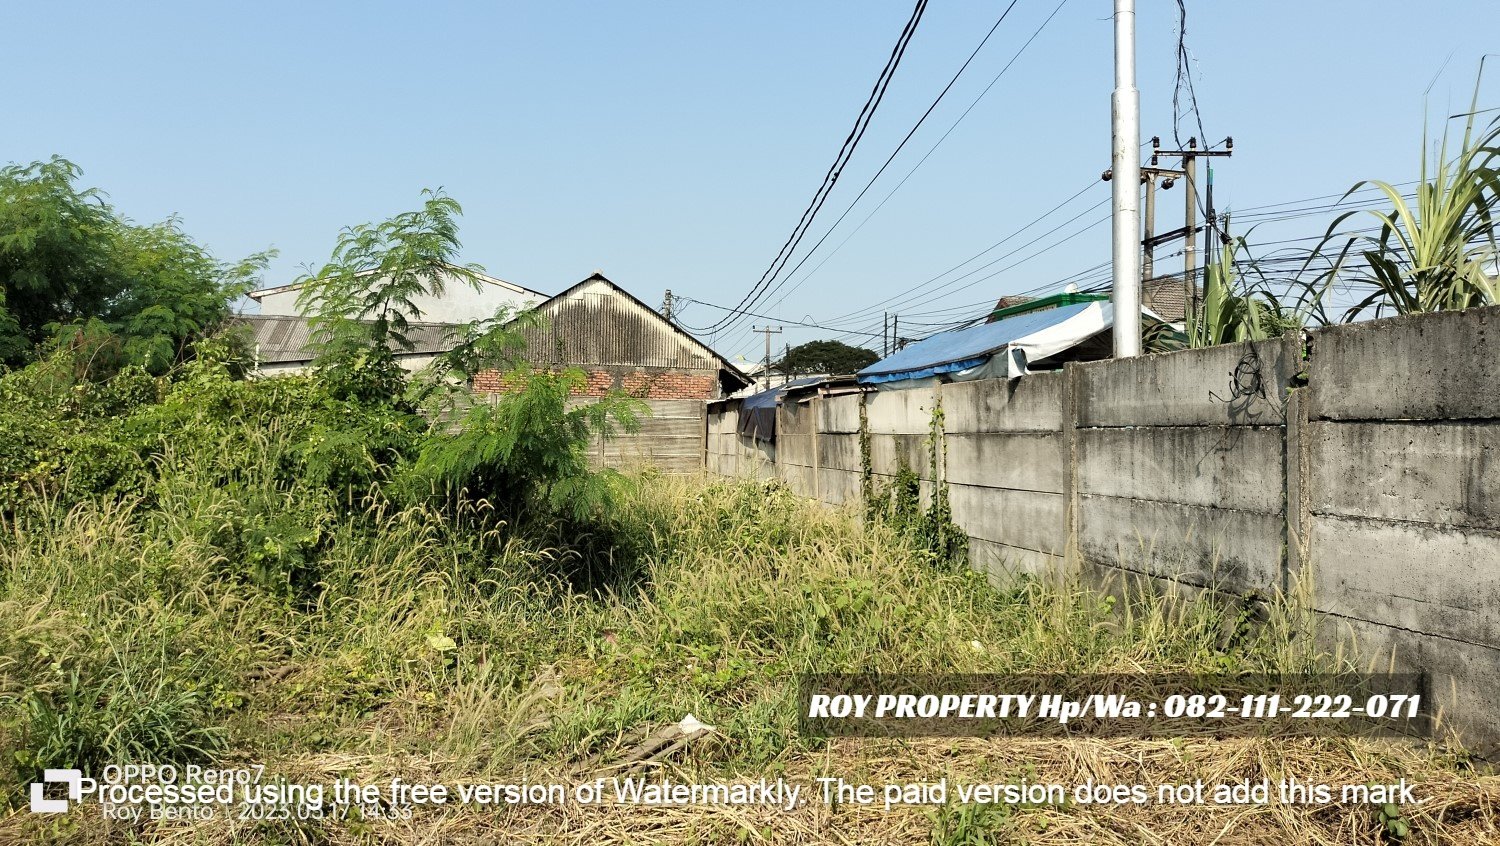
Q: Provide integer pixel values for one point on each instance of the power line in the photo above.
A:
(904, 296)
(1095, 270)
(947, 289)
(921, 161)
(679, 299)
(851, 143)
(1184, 75)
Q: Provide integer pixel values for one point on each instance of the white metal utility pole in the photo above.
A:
(1126, 184)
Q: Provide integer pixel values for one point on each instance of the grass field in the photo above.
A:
(432, 651)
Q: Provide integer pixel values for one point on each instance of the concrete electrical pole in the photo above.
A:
(1190, 227)
(1148, 227)
(1126, 165)
(768, 332)
(1149, 175)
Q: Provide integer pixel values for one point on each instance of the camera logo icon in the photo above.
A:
(40, 804)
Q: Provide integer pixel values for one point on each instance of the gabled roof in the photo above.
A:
(597, 277)
(284, 339)
(484, 278)
(1167, 296)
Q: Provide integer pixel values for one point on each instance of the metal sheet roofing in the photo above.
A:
(965, 348)
(281, 340)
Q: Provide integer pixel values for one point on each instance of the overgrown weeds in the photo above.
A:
(434, 650)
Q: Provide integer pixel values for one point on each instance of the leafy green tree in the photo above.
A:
(831, 357)
(363, 301)
(527, 450)
(74, 272)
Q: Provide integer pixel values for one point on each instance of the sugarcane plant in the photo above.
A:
(1232, 309)
(1433, 252)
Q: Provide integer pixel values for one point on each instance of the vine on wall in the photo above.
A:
(899, 502)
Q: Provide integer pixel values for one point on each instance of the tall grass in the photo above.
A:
(136, 635)
(426, 646)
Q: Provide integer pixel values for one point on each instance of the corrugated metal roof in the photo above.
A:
(287, 340)
(967, 347)
(450, 279)
(596, 322)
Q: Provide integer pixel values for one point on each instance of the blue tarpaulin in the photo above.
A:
(1028, 336)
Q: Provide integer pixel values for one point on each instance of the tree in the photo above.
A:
(831, 357)
(72, 270)
(363, 300)
(527, 451)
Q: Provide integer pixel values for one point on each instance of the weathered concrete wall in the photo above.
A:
(1007, 470)
(726, 453)
(1179, 464)
(1402, 440)
(1363, 462)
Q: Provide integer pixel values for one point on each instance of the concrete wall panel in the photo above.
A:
(1032, 404)
(839, 486)
(1238, 551)
(888, 452)
(839, 452)
(1026, 519)
(1211, 466)
(899, 412)
(1428, 472)
(1462, 680)
(1003, 563)
(1423, 367)
(794, 449)
(1438, 580)
(1032, 461)
(838, 414)
(1180, 389)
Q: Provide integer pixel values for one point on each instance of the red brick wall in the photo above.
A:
(639, 383)
(667, 385)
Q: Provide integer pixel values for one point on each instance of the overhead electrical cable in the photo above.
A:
(851, 143)
(920, 162)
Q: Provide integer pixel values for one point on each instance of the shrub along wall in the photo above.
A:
(1366, 459)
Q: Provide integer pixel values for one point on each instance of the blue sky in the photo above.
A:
(674, 144)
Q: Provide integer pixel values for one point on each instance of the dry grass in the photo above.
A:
(1455, 807)
(745, 588)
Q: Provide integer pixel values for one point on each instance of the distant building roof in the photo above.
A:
(1011, 306)
(280, 339)
(1167, 296)
(1006, 302)
(598, 322)
(1004, 349)
(484, 279)
(594, 322)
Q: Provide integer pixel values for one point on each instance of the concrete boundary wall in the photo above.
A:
(1362, 461)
